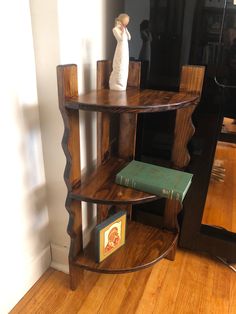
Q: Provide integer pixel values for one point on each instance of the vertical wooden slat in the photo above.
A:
(134, 77)
(128, 123)
(191, 82)
(104, 69)
(127, 135)
(68, 87)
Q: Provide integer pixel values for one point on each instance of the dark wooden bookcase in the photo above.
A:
(145, 245)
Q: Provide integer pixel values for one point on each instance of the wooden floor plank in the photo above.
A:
(98, 293)
(115, 296)
(168, 291)
(134, 291)
(75, 299)
(232, 299)
(195, 278)
(193, 283)
(33, 292)
(152, 288)
(220, 208)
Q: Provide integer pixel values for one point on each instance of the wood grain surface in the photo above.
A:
(68, 87)
(100, 187)
(193, 283)
(132, 100)
(220, 207)
(144, 246)
(191, 82)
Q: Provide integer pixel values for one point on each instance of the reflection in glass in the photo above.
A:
(166, 35)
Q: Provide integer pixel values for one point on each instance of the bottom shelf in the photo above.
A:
(145, 245)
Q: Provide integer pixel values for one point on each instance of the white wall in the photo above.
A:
(68, 31)
(138, 11)
(24, 231)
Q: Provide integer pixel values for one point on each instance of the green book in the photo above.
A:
(164, 182)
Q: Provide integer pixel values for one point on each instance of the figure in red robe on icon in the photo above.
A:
(113, 239)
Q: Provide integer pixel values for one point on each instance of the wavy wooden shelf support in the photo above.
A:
(68, 87)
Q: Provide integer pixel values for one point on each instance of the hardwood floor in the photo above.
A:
(220, 208)
(194, 283)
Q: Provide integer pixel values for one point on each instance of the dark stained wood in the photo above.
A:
(172, 210)
(191, 82)
(68, 87)
(184, 130)
(144, 247)
(131, 101)
(103, 153)
(127, 136)
(99, 186)
(104, 69)
(103, 137)
(134, 74)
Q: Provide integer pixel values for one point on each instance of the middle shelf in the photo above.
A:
(100, 187)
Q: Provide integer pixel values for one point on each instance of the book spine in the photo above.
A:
(145, 187)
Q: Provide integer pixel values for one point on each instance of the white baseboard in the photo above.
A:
(60, 253)
(60, 258)
(34, 269)
(60, 267)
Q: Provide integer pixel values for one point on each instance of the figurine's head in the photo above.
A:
(122, 19)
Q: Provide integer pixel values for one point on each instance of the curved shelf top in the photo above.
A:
(144, 246)
(131, 100)
(100, 187)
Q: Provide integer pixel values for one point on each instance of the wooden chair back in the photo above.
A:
(191, 80)
(104, 69)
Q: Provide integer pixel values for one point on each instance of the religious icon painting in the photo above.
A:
(110, 235)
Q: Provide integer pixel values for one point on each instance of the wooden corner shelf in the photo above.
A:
(144, 247)
(100, 187)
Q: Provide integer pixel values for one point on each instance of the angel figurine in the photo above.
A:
(120, 66)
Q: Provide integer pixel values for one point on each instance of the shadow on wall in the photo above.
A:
(88, 120)
(113, 9)
(37, 231)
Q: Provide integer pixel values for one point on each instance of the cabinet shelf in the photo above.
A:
(145, 245)
(100, 187)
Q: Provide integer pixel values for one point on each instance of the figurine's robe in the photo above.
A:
(120, 66)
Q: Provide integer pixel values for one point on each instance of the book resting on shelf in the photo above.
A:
(161, 181)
